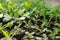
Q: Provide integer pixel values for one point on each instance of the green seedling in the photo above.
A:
(5, 33)
(29, 35)
(8, 35)
(35, 27)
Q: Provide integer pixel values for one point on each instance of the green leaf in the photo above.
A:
(42, 12)
(57, 24)
(29, 35)
(21, 12)
(0, 26)
(7, 18)
(27, 15)
(33, 18)
(6, 34)
(35, 26)
(11, 5)
(56, 30)
(9, 24)
(16, 14)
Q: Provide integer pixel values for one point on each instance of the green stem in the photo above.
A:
(6, 35)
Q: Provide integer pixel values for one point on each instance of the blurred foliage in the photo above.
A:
(32, 14)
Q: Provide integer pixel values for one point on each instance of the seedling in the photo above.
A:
(8, 35)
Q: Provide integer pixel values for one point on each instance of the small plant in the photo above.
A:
(8, 35)
(29, 35)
